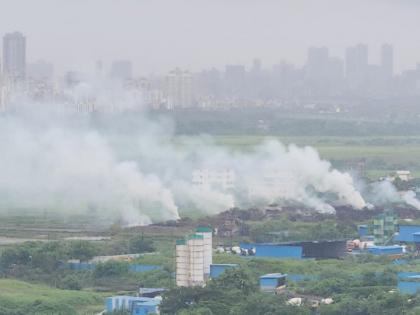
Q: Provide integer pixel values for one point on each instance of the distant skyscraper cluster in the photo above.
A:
(322, 78)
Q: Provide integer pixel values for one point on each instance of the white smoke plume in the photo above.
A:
(65, 161)
(410, 198)
(384, 193)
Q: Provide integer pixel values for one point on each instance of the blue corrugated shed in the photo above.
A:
(385, 250)
(274, 250)
(136, 305)
(81, 266)
(271, 281)
(416, 237)
(409, 282)
(362, 230)
(145, 307)
(408, 287)
(406, 233)
(407, 274)
(300, 277)
(217, 269)
(144, 268)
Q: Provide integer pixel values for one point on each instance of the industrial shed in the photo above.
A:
(324, 249)
(274, 250)
(299, 250)
(406, 233)
(135, 305)
(272, 282)
(409, 282)
(386, 250)
(363, 230)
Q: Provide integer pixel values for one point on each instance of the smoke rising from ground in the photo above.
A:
(130, 166)
(384, 193)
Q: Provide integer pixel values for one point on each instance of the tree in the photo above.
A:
(110, 269)
(138, 244)
(70, 282)
(188, 299)
(82, 250)
(235, 278)
(48, 256)
(15, 256)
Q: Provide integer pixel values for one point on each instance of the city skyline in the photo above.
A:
(157, 36)
(123, 68)
(322, 77)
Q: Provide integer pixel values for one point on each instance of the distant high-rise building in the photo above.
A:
(234, 79)
(72, 78)
(317, 56)
(179, 89)
(256, 65)
(323, 74)
(99, 68)
(208, 83)
(317, 63)
(357, 67)
(387, 60)
(40, 70)
(121, 70)
(14, 56)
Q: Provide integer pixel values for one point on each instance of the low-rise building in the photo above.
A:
(272, 282)
(405, 176)
(135, 305)
(409, 282)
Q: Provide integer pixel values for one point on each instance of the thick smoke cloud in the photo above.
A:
(125, 164)
(70, 167)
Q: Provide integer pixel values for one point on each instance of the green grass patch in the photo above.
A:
(18, 297)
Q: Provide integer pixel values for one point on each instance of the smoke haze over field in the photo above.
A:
(127, 165)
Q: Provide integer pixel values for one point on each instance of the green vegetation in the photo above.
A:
(283, 230)
(359, 284)
(21, 298)
(235, 292)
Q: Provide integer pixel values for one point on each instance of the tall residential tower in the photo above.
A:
(14, 57)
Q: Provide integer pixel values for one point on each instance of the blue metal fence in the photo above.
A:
(83, 266)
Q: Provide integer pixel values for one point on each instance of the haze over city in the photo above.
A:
(160, 35)
(209, 157)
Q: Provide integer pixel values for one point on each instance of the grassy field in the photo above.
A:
(39, 299)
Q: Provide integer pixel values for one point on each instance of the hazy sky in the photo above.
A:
(158, 35)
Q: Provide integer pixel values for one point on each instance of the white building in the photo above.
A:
(179, 89)
(222, 179)
(403, 175)
(193, 258)
(272, 185)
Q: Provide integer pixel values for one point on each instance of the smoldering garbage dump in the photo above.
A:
(72, 163)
